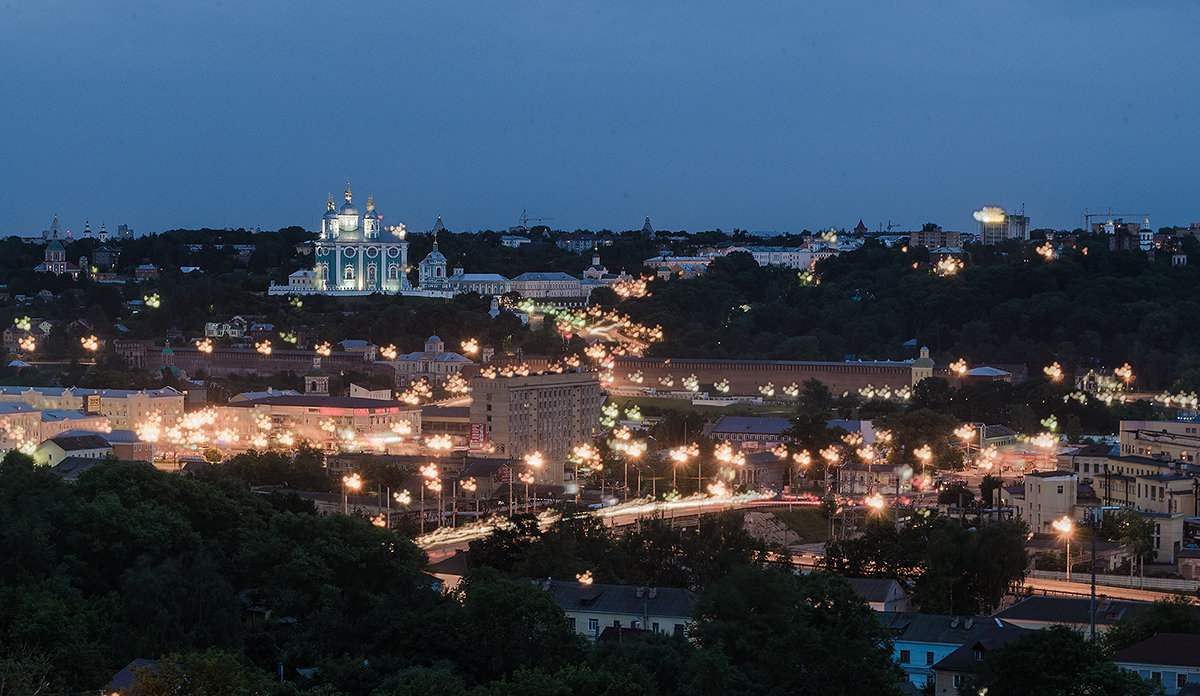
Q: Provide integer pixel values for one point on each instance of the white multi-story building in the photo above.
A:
(125, 408)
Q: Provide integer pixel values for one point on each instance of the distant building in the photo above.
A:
(55, 261)
(995, 226)
(935, 237)
(324, 421)
(124, 408)
(435, 364)
(1047, 496)
(580, 242)
(513, 240)
(547, 413)
(743, 430)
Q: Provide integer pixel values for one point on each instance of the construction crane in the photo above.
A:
(525, 220)
(1089, 213)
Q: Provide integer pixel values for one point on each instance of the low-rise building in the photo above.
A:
(1046, 497)
(125, 408)
(329, 422)
(88, 446)
(591, 607)
(435, 365)
(952, 672)
(1169, 659)
(919, 641)
(743, 430)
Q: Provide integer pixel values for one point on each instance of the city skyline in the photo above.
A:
(765, 119)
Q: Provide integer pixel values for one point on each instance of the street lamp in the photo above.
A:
(1065, 526)
(351, 481)
(468, 484)
(681, 455)
(430, 472)
(534, 460)
(526, 478)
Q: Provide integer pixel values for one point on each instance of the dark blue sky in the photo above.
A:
(771, 116)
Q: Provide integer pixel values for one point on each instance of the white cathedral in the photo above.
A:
(355, 254)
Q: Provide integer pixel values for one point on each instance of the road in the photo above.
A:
(1083, 589)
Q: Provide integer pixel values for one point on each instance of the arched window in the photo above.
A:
(371, 273)
(349, 274)
(393, 272)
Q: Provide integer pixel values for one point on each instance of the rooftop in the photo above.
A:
(620, 599)
(757, 426)
(1173, 649)
(935, 628)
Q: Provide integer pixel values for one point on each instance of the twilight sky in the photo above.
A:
(765, 116)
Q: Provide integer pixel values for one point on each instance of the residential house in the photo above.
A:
(882, 594)
(89, 446)
(919, 641)
(1169, 659)
(1038, 612)
(952, 671)
(590, 607)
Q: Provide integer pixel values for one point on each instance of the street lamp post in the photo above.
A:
(429, 472)
(352, 481)
(1065, 526)
(534, 461)
(470, 486)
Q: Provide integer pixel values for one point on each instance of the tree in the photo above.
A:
(1176, 615)
(208, 673)
(950, 567)
(956, 493)
(796, 634)
(507, 625)
(987, 490)
(1055, 662)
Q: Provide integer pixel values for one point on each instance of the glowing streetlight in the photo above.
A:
(27, 344)
(584, 578)
(1054, 371)
(388, 353)
(152, 301)
(680, 455)
(959, 367)
(1065, 526)
(264, 347)
(470, 486)
(429, 472)
(353, 481)
(1125, 373)
(90, 343)
(470, 346)
(205, 346)
(323, 349)
(876, 502)
(924, 455)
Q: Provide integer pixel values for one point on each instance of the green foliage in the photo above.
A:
(1164, 616)
(1103, 308)
(950, 567)
(208, 673)
(1055, 662)
(510, 624)
(796, 634)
